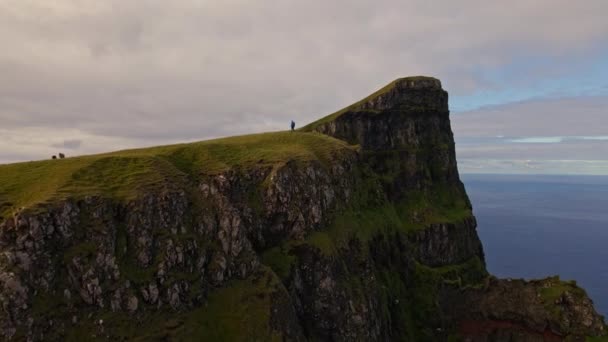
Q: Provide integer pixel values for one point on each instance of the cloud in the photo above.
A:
(122, 74)
(72, 144)
(523, 166)
(572, 116)
(562, 135)
(592, 150)
(33, 143)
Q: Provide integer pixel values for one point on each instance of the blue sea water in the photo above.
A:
(533, 226)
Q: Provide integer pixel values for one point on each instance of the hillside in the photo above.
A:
(355, 228)
(126, 174)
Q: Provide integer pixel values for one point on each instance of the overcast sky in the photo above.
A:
(85, 76)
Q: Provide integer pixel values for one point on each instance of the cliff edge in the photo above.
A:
(354, 228)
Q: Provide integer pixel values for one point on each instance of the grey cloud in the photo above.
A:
(576, 116)
(154, 72)
(588, 150)
(546, 167)
(72, 144)
(479, 150)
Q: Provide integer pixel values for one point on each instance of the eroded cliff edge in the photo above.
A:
(357, 227)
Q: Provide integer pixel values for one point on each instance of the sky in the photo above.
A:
(528, 80)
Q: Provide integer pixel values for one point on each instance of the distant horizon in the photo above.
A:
(563, 167)
(533, 174)
(533, 167)
(524, 173)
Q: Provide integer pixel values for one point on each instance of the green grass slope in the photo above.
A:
(124, 174)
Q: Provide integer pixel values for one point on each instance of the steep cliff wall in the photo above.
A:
(366, 235)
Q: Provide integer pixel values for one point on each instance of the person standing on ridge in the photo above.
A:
(293, 125)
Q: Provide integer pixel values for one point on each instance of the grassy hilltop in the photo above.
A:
(124, 174)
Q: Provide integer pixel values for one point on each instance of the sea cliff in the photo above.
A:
(354, 228)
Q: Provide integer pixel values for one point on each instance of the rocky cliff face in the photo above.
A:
(376, 243)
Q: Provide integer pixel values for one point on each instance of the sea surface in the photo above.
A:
(533, 226)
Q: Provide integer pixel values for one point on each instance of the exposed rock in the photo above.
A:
(514, 309)
(132, 303)
(447, 243)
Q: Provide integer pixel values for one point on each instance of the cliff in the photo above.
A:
(355, 228)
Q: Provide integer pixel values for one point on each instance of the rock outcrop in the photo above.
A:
(374, 243)
(518, 310)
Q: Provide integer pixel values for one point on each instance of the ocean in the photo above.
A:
(533, 226)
